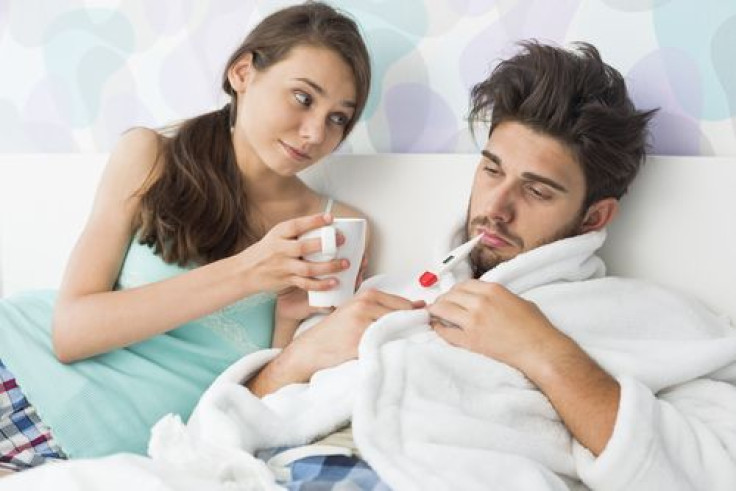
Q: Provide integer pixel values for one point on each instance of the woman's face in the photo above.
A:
(293, 113)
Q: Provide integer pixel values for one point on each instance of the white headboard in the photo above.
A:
(44, 203)
(675, 226)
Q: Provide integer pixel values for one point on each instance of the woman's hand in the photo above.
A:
(292, 304)
(335, 339)
(275, 263)
(329, 343)
(292, 307)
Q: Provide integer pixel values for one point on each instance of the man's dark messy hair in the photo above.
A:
(574, 97)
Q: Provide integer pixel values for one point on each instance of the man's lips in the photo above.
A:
(293, 152)
(492, 239)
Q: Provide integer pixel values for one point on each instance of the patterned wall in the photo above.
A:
(76, 73)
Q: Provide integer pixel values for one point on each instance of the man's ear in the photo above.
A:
(240, 72)
(599, 214)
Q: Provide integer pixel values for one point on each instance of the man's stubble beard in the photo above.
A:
(483, 259)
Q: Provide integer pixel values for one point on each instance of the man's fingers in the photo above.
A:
(481, 288)
(449, 310)
(444, 323)
(450, 333)
(472, 295)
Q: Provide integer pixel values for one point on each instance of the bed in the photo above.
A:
(675, 228)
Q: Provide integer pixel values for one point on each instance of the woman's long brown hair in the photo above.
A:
(193, 209)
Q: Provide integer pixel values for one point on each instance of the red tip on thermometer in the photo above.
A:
(429, 278)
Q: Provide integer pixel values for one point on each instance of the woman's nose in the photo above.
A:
(312, 130)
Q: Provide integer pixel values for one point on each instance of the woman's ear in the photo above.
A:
(240, 72)
(599, 214)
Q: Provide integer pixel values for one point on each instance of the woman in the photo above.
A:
(192, 236)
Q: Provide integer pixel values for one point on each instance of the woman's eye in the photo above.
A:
(490, 170)
(303, 98)
(339, 119)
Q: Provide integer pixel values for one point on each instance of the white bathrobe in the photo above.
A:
(427, 415)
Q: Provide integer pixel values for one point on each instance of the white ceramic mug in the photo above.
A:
(353, 229)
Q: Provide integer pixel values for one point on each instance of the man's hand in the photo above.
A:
(488, 319)
(329, 343)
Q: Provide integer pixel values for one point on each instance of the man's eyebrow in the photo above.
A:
(544, 180)
(531, 176)
(321, 91)
(491, 156)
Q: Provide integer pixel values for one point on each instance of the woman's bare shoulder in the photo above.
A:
(139, 147)
(134, 157)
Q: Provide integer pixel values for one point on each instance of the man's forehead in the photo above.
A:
(519, 149)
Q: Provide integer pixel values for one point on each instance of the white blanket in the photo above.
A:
(126, 472)
(430, 416)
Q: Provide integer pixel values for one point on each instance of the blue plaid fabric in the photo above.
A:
(329, 472)
(25, 441)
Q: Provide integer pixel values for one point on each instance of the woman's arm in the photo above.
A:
(90, 318)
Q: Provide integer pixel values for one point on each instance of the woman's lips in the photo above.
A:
(294, 153)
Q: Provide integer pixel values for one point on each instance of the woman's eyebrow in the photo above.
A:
(321, 91)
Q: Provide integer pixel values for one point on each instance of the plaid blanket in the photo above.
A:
(25, 441)
(328, 472)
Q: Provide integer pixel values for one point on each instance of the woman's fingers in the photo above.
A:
(321, 310)
(389, 305)
(395, 302)
(380, 303)
(314, 284)
(292, 229)
(309, 269)
(305, 247)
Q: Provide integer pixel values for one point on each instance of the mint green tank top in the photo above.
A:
(108, 403)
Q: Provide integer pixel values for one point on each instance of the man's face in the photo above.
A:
(528, 191)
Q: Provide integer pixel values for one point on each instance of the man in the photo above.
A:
(545, 374)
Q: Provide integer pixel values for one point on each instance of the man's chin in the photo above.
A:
(484, 260)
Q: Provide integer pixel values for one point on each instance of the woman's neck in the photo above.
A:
(262, 184)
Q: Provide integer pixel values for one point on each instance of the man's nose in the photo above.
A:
(500, 204)
(312, 129)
